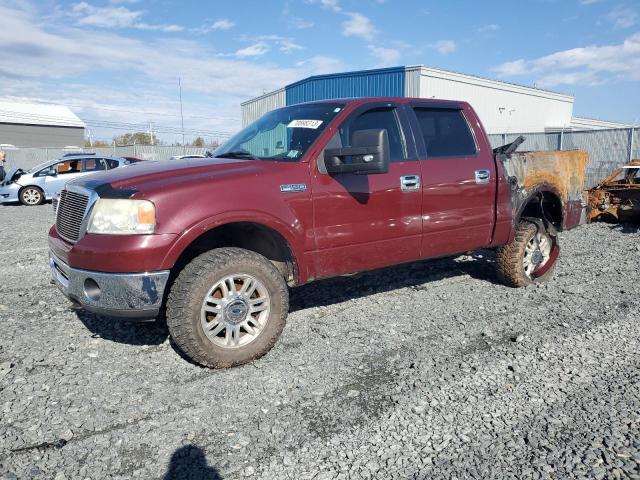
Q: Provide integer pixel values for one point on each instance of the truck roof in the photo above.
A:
(365, 100)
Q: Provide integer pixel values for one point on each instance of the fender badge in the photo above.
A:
(293, 187)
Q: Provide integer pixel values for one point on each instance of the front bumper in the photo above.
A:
(9, 193)
(132, 295)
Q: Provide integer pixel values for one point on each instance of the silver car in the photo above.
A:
(43, 181)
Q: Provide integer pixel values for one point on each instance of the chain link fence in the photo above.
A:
(608, 149)
(28, 157)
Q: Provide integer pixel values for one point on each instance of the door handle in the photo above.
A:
(410, 182)
(483, 176)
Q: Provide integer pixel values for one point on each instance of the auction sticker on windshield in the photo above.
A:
(305, 124)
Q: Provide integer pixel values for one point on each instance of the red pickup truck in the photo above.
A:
(306, 192)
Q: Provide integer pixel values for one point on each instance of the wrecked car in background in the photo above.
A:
(42, 182)
(617, 197)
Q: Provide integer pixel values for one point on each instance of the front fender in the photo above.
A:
(292, 232)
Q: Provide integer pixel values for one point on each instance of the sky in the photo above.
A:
(116, 63)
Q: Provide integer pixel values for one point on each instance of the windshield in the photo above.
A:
(39, 167)
(283, 135)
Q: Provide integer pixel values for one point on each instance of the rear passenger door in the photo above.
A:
(458, 180)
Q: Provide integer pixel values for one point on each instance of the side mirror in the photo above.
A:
(52, 172)
(368, 154)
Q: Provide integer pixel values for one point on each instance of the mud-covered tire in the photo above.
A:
(193, 285)
(31, 196)
(509, 259)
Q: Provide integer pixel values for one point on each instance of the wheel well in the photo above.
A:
(250, 236)
(546, 205)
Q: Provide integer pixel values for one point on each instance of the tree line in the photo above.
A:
(144, 138)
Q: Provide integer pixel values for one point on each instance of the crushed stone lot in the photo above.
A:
(428, 370)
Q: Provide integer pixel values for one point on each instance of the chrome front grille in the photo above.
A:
(70, 213)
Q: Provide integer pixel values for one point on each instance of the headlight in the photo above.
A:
(122, 217)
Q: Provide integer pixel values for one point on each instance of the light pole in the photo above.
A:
(181, 116)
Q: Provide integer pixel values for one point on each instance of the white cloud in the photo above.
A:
(284, 44)
(622, 17)
(128, 77)
(444, 47)
(385, 56)
(329, 4)
(116, 17)
(84, 51)
(107, 17)
(295, 21)
(490, 28)
(358, 25)
(161, 28)
(591, 65)
(287, 45)
(254, 50)
(223, 24)
(320, 64)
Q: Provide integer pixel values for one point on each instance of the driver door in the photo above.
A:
(362, 222)
(66, 170)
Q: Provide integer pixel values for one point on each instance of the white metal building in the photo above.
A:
(503, 107)
(39, 125)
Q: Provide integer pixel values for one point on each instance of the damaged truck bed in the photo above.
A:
(537, 173)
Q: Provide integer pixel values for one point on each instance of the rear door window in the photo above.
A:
(446, 133)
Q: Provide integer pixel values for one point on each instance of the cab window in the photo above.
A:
(445, 132)
(378, 118)
(93, 164)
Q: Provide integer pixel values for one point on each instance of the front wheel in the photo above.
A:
(31, 196)
(227, 307)
(529, 258)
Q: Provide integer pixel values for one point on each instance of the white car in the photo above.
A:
(41, 182)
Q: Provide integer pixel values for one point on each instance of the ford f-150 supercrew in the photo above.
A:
(306, 192)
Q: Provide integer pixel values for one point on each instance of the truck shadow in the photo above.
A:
(418, 275)
(121, 330)
(479, 265)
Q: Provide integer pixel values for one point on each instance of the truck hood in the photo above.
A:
(144, 178)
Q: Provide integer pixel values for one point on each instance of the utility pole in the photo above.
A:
(151, 132)
(181, 116)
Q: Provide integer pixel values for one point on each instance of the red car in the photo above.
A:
(307, 192)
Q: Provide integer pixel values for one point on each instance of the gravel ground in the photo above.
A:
(430, 370)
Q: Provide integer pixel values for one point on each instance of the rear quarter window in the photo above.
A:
(446, 133)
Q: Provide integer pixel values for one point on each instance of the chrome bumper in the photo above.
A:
(133, 295)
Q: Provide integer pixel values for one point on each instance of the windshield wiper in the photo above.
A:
(238, 154)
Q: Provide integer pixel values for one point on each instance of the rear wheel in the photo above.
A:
(31, 196)
(227, 307)
(531, 257)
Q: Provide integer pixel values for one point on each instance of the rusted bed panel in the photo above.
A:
(560, 172)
